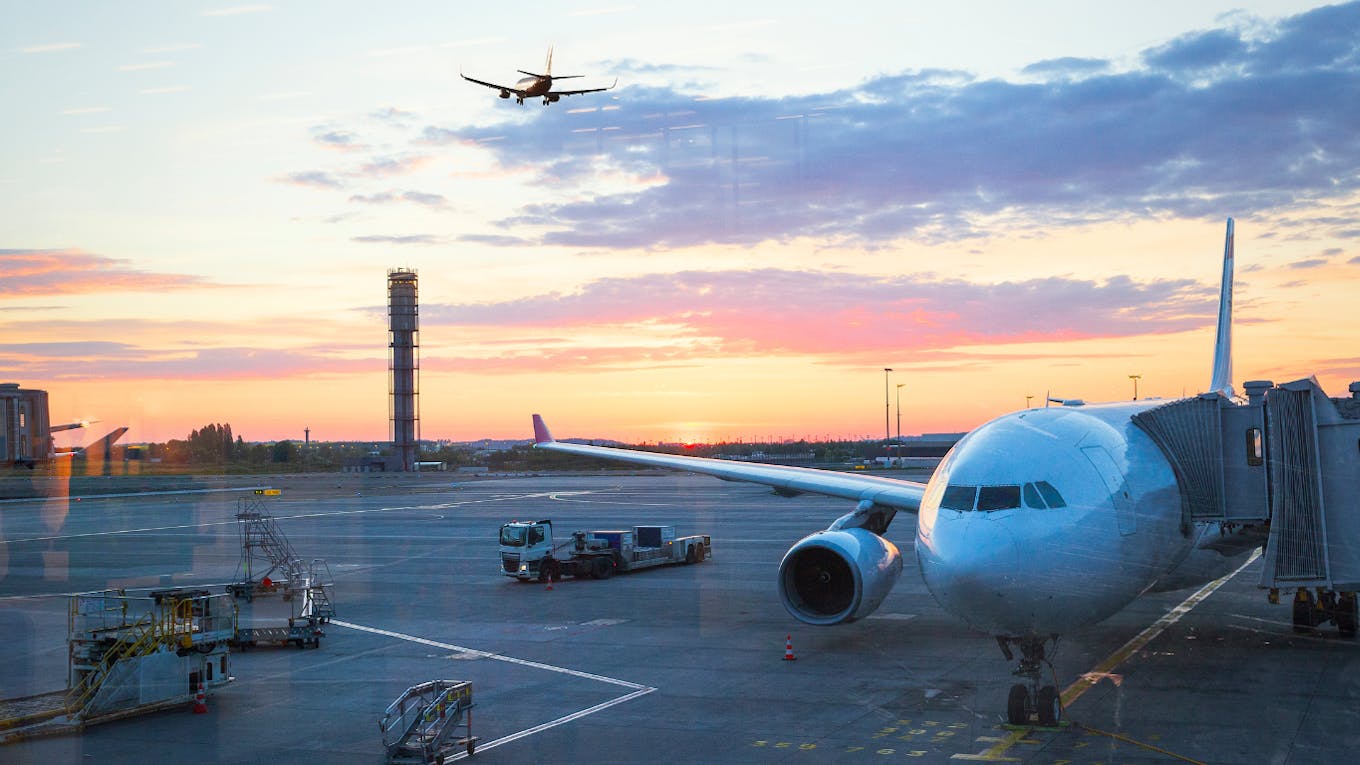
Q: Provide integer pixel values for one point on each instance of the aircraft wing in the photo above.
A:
(577, 92)
(494, 86)
(887, 492)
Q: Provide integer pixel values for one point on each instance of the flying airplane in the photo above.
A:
(1037, 523)
(536, 85)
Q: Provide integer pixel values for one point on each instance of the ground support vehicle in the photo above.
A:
(529, 552)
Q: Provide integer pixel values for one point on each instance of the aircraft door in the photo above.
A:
(1118, 486)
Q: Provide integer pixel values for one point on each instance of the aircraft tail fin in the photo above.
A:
(541, 434)
(1222, 374)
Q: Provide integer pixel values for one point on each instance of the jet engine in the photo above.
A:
(838, 576)
(505, 94)
(551, 98)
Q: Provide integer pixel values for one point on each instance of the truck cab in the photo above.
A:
(524, 545)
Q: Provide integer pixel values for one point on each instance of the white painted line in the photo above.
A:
(493, 656)
(131, 494)
(638, 691)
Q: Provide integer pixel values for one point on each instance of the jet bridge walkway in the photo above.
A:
(1281, 470)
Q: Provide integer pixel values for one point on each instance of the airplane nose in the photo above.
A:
(972, 565)
(1017, 572)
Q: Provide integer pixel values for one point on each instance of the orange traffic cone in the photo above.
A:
(788, 649)
(200, 707)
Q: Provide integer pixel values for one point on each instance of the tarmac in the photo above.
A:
(674, 664)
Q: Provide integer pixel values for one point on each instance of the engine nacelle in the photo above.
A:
(838, 576)
(505, 94)
(551, 98)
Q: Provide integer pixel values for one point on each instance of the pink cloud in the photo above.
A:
(73, 271)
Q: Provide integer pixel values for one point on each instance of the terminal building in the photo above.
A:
(25, 432)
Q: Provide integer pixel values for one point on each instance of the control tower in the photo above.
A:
(403, 330)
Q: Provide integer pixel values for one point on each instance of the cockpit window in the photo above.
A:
(958, 497)
(1032, 498)
(1051, 495)
(998, 498)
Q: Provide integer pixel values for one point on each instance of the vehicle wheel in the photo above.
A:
(1050, 710)
(543, 573)
(1345, 614)
(689, 554)
(602, 568)
(698, 553)
(1017, 712)
(1303, 611)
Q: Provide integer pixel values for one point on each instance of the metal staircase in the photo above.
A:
(268, 562)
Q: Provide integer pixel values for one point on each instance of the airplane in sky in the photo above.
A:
(536, 85)
(1045, 521)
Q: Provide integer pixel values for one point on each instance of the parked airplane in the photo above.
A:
(536, 85)
(1037, 523)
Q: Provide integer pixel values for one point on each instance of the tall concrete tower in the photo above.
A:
(403, 330)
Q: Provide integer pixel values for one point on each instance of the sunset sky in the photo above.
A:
(199, 204)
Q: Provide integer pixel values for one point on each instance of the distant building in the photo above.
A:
(25, 431)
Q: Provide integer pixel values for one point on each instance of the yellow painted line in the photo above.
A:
(995, 753)
(1135, 644)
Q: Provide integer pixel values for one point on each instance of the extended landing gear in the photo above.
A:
(1030, 702)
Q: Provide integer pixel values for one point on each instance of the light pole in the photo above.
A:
(900, 386)
(887, 408)
(1027, 398)
(1135, 379)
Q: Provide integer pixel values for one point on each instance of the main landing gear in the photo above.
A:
(1030, 702)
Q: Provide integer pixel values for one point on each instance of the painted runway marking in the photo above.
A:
(328, 514)
(1089, 679)
(131, 494)
(637, 691)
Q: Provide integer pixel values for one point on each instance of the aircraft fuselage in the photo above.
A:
(1077, 513)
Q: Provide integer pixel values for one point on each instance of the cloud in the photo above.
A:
(408, 239)
(26, 273)
(1066, 67)
(52, 47)
(385, 167)
(838, 315)
(146, 66)
(96, 360)
(1355, 261)
(387, 197)
(1308, 263)
(1210, 124)
(339, 140)
(312, 178)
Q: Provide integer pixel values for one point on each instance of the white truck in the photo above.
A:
(529, 551)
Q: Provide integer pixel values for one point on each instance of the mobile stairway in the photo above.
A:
(268, 562)
(419, 728)
(130, 655)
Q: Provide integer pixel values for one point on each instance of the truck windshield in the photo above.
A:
(512, 536)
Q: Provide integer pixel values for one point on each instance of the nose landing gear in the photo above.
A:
(1030, 702)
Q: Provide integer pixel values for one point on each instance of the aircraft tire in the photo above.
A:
(1050, 711)
(1017, 705)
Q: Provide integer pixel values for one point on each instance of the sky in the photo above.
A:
(1001, 202)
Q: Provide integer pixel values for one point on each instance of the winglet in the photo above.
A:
(1222, 377)
(541, 434)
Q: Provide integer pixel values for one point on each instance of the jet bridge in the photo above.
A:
(1281, 470)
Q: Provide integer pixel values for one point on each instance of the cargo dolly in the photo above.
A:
(419, 726)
